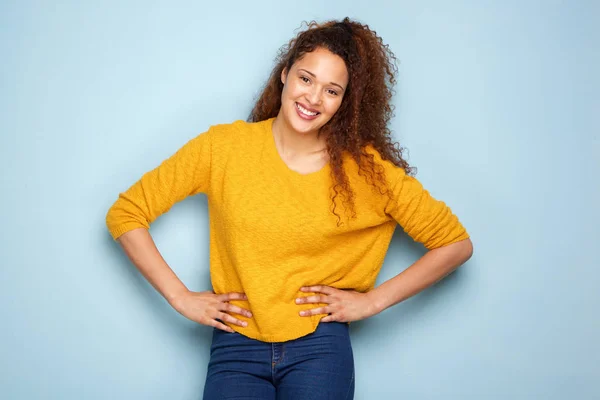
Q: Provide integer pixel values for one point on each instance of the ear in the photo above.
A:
(284, 73)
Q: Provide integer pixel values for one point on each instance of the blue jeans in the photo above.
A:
(317, 366)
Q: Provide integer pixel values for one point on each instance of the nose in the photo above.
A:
(314, 96)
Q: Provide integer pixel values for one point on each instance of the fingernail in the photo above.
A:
(245, 323)
(297, 300)
(249, 314)
(302, 313)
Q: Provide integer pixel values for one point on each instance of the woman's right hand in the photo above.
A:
(207, 308)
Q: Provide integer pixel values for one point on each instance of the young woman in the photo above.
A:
(303, 201)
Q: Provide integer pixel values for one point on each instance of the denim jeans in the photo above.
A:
(318, 366)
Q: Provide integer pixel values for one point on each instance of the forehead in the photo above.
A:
(325, 65)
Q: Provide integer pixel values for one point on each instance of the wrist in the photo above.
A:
(174, 298)
(375, 301)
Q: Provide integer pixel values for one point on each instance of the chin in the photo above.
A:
(303, 127)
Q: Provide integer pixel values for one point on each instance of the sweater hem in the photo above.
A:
(281, 337)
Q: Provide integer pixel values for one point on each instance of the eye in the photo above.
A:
(332, 92)
(304, 79)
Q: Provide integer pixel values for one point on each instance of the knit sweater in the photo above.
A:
(272, 230)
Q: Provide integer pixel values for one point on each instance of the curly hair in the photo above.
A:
(365, 111)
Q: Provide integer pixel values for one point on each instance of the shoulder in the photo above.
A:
(378, 158)
(237, 130)
(237, 137)
(392, 172)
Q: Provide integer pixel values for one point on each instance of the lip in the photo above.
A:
(304, 116)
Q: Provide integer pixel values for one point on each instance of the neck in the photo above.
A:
(293, 143)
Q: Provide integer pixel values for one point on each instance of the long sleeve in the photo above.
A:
(185, 173)
(425, 219)
(255, 200)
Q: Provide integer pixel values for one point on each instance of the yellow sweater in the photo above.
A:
(271, 228)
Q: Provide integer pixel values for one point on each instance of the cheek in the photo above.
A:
(288, 96)
(284, 91)
(296, 91)
(334, 106)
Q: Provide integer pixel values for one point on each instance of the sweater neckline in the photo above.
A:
(282, 166)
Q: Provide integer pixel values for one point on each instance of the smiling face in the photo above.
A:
(313, 90)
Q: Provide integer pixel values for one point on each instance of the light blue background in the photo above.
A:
(497, 101)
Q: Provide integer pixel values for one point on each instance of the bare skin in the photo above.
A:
(304, 163)
(205, 308)
(349, 305)
(317, 83)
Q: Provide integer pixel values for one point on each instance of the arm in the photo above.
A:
(184, 174)
(141, 250)
(427, 221)
(349, 305)
(435, 265)
(206, 308)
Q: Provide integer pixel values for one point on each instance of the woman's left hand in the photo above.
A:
(342, 305)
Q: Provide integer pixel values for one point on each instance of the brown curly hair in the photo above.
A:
(363, 116)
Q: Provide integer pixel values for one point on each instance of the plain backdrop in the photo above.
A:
(497, 102)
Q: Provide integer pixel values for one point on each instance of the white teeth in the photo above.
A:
(305, 111)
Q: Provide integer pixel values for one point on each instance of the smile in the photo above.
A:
(303, 111)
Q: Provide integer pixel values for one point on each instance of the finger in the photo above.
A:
(318, 289)
(230, 308)
(216, 324)
(315, 311)
(329, 318)
(221, 326)
(232, 296)
(319, 298)
(232, 320)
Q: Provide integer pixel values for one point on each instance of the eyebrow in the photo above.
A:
(314, 76)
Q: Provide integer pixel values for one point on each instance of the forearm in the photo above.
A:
(143, 253)
(429, 269)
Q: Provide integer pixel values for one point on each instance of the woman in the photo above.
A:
(303, 201)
